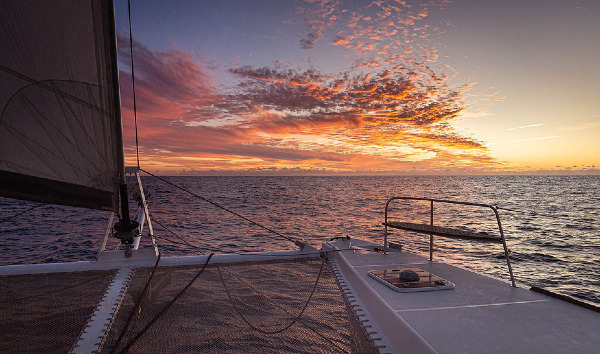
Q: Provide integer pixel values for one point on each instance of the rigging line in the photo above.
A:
(98, 240)
(259, 254)
(174, 234)
(78, 213)
(44, 84)
(221, 207)
(137, 150)
(286, 311)
(171, 241)
(185, 243)
(56, 291)
(136, 309)
(22, 212)
(296, 319)
(165, 308)
(233, 252)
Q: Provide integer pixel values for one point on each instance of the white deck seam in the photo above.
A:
(471, 306)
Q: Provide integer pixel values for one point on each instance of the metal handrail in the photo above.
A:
(432, 200)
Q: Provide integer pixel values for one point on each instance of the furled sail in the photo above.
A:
(60, 139)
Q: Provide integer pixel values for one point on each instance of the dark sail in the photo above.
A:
(60, 139)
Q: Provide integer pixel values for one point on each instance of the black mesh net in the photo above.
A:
(250, 307)
(46, 313)
(278, 306)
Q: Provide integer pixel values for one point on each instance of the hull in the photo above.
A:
(479, 315)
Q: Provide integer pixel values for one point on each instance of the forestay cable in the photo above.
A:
(137, 149)
(21, 212)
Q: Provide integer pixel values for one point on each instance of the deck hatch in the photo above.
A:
(398, 280)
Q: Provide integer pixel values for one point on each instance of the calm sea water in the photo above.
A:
(552, 224)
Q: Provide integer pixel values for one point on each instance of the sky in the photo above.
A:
(362, 87)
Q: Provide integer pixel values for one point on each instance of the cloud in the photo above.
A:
(168, 83)
(311, 39)
(527, 126)
(393, 110)
(318, 15)
(475, 113)
(382, 97)
(386, 26)
(285, 117)
(340, 40)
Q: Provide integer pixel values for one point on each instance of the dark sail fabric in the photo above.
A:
(59, 141)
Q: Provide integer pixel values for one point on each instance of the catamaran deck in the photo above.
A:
(480, 315)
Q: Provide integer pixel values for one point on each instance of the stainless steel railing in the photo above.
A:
(432, 201)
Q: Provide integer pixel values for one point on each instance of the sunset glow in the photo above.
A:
(322, 86)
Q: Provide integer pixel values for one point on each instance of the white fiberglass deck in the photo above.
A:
(480, 315)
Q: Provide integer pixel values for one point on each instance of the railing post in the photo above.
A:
(431, 236)
(512, 278)
(385, 232)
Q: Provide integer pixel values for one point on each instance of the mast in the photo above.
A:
(125, 229)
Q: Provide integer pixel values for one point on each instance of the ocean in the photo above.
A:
(551, 223)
